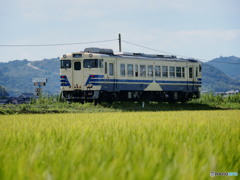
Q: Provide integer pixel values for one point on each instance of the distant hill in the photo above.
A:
(214, 80)
(229, 65)
(16, 76)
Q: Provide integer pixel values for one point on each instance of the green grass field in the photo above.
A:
(45, 105)
(120, 145)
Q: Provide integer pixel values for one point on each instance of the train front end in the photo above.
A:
(75, 71)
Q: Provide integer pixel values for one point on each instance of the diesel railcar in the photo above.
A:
(98, 74)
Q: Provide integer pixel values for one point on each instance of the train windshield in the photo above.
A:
(92, 63)
(65, 64)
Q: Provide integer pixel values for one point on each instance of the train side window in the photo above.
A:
(172, 71)
(130, 69)
(100, 63)
(122, 69)
(178, 72)
(158, 71)
(143, 70)
(150, 70)
(136, 70)
(183, 72)
(105, 67)
(190, 72)
(165, 71)
(77, 66)
(200, 68)
(196, 71)
(111, 69)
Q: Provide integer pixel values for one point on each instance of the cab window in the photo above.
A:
(65, 64)
(90, 63)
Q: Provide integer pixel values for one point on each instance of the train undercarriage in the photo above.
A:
(104, 96)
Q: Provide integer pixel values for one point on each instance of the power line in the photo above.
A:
(173, 53)
(62, 44)
(102, 41)
(154, 49)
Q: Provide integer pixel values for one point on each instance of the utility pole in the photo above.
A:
(120, 43)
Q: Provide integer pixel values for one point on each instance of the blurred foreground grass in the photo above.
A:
(129, 145)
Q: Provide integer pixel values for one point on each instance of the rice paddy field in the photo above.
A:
(120, 145)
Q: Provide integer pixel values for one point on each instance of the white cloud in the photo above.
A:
(175, 26)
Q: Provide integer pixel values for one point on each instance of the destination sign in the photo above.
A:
(39, 80)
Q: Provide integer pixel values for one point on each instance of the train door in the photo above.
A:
(110, 75)
(105, 85)
(191, 77)
(154, 73)
(195, 77)
(77, 75)
(91, 67)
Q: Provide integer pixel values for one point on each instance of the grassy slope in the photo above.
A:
(130, 145)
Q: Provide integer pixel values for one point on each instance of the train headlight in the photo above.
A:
(64, 56)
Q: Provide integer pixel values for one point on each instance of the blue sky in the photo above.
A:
(203, 29)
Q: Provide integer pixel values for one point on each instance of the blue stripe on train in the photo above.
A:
(93, 80)
(90, 77)
(141, 87)
(64, 80)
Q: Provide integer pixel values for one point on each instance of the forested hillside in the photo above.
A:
(229, 65)
(16, 76)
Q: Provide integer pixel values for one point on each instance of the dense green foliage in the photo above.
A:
(219, 101)
(131, 145)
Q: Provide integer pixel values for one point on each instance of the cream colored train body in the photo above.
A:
(102, 75)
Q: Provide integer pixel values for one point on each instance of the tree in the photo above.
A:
(3, 92)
